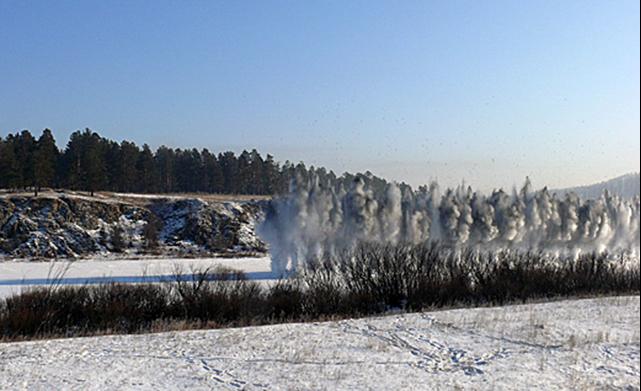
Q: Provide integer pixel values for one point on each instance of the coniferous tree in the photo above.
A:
(93, 162)
(112, 158)
(215, 172)
(244, 174)
(71, 164)
(181, 170)
(165, 160)
(255, 173)
(127, 171)
(90, 162)
(195, 167)
(147, 173)
(9, 168)
(287, 172)
(270, 176)
(26, 147)
(207, 171)
(229, 166)
(45, 160)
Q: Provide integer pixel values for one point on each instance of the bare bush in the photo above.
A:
(151, 232)
(370, 279)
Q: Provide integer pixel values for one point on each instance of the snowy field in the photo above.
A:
(576, 344)
(16, 276)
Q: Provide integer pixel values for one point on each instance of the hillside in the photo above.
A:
(70, 225)
(574, 345)
(626, 186)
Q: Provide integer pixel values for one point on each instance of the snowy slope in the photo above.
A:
(580, 344)
(625, 186)
(70, 225)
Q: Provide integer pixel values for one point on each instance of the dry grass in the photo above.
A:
(135, 199)
(144, 199)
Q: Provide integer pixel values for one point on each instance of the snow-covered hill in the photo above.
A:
(579, 345)
(626, 186)
(68, 225)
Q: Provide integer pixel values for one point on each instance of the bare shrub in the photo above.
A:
(219, 294)
(370, 279)
(284, 301)
(151, 232)
(118, 242)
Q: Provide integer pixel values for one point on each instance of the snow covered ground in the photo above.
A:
(575, 344)
(16, 276)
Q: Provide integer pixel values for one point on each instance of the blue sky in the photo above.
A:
(482, 91)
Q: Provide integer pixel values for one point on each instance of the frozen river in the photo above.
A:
(16, 276)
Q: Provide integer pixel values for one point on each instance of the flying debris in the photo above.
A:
(316, 218)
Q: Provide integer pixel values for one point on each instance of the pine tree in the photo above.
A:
(25, 149)
(9, 167)
(215, 182)
(71, 162)
(270, 175)
(181, 171)
(229, 166)
(147, 173)
(206, 177)
(90, 162)
(127, 171)
(112, 158)
(244, 174)
(195, 171)
(46, 158)
(255, 185)
(165, 161)
(95, 171)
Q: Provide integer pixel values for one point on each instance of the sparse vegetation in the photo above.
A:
(151, 232)
(372, 279)
(118, 242)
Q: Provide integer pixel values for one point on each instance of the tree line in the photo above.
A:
(92, 163)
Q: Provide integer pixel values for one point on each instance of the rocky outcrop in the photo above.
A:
(69, 226)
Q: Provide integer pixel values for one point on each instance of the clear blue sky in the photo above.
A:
(485, 91)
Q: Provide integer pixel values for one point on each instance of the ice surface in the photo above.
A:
(15, 276)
